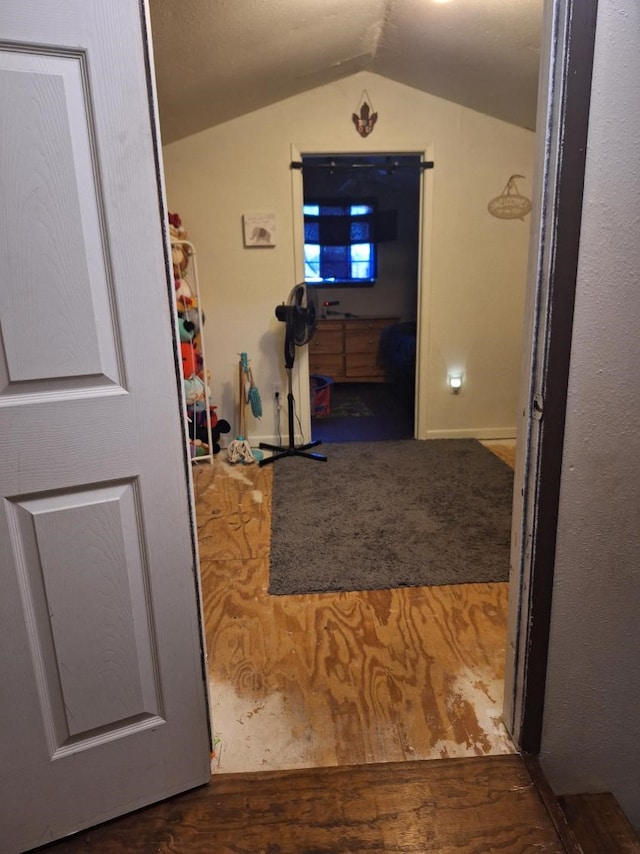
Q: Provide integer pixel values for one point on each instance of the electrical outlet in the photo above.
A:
(277, 389)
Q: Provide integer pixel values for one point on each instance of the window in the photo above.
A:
(338, 248)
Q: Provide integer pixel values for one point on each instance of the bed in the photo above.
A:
(397, 355)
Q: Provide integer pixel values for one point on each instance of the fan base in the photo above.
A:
(290, 451)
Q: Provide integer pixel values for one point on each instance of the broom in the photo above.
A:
(253, 395)
(239, 450)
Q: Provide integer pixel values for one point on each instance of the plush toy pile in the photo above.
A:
(193, 371)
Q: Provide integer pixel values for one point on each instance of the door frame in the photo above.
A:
(564, 95)
(425, 152)
(154, 119)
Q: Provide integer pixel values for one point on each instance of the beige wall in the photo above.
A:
(473, 266)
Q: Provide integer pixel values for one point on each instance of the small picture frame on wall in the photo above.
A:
(259, 229)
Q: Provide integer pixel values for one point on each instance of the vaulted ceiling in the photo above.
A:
(218, 59)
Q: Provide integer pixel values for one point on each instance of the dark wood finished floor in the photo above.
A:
(599, 824)
(467, 806)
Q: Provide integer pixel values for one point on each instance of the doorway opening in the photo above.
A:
(339, 678)
(426, 683)
(361, 258)
(344, 678)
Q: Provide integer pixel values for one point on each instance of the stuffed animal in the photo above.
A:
(197, 448)
(187, 330)
(193, 316)
(176, 228)
(180, 255)
(190, 361)
(218, 427)
(194, 392)
(221, 427)
(185, 299)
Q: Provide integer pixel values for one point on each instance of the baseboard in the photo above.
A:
(485, 433)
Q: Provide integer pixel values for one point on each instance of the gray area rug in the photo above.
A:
(390, 514)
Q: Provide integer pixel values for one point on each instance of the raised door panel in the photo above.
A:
(81, 563)
(52, 230)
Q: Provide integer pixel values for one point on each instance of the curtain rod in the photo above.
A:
(389, 167)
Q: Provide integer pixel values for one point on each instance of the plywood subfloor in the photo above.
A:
(337, 679)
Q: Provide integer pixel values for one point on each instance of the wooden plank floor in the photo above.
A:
(467, 806)
(599, 824)
(338, 679)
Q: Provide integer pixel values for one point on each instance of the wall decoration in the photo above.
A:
(365, 119)
(510, 204)
(259, 228)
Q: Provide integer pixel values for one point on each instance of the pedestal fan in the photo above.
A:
(299, 317)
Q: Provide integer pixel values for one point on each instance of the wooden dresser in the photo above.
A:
(347, 349)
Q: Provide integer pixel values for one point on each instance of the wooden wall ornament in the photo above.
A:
(365, 119)
(510, 204)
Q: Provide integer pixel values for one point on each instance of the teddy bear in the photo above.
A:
(175, 226)
(185, 297)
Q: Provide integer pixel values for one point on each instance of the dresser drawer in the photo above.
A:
(326, 341)
(362, 365)
(347, 350)
(361, 340)
(371, 323)
(327, 364)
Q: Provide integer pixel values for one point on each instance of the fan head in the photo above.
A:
(303, 317)
(300, 316)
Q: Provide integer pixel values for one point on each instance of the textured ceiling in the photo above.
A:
(218, 59)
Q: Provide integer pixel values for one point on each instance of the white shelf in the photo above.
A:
(191, 276)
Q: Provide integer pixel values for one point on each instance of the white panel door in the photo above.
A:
(102, 687)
